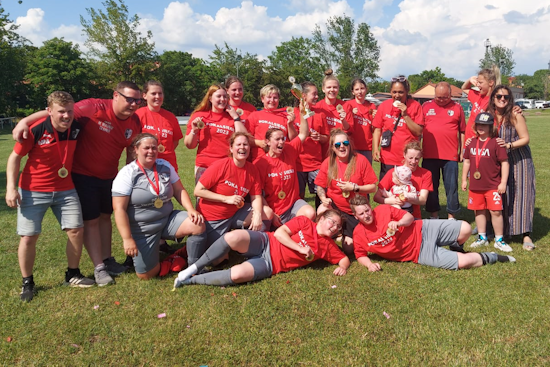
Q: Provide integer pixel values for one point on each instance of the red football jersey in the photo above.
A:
(441, 130)
(362, 123)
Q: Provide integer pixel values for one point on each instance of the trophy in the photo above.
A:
(296, 90)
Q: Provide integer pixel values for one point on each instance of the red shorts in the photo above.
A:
(479, 200)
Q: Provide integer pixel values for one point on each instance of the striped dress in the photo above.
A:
(519, 201)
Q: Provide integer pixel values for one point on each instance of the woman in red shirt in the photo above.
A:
(363, 114)
(338, 115)
(295, 244)
(209, 128)
(234, 88)
(343, 175)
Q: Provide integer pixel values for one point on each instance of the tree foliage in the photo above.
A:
(501, 56)
(59, 65)
(113, 38)
(430, 76)
(351, 51)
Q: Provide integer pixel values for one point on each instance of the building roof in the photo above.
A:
(428, 92)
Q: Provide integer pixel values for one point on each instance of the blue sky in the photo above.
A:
(414, 35)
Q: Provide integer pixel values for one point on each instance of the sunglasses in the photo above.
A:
(399, 78)
(131, 100)
(500, 96)
(338, 145)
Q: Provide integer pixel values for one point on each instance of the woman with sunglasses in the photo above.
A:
(343, 175)
(271, 116)
(278, 174)
(211, 124)
(398, 121)
(293, 245)
(339, 115)
(519, 199)
(363, 114)
(234, 88)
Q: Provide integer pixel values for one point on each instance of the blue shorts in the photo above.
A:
(30, 213)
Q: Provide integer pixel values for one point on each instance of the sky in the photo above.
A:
(413, 35)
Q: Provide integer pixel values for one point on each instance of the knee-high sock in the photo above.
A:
(218, 250)
(220, 277)
(196, 247)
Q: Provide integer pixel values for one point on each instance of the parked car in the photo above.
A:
(521, 105)
(539, 104)
(546, 104)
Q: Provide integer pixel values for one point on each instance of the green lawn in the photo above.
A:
(494, 315)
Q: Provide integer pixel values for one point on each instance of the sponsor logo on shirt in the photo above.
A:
(46, 138)
(450, 112)
(106, 126)
(483, 152)
(431, 112)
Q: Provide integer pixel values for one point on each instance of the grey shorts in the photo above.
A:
(30, 213)
(292, 211)
(437, 233)
(309, 179)
(259, 255)
(217, 228)
(148, 244)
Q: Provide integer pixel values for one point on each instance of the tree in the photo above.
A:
(352, 52)
(113, 38)
(500, 56)
(59, 65)
(430, 76)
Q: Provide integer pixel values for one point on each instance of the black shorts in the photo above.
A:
(349, 222)
(94, 194)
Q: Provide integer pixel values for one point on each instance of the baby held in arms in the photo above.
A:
(402, 188)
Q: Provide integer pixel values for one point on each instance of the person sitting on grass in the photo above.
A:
(394, 235)
(295, 244)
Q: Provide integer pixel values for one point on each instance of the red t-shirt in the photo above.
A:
(421, 179)
(403, 246)
(214, 138)
(363, 175)
(479, 104)
(441, 129)
(247, 110)
(489, 163)
(225, 178)
(312, 152)
(333, 116)
(304, 232)
(362, 123)
(106, 137)
(386, 118)
(280, 174)
(166, 127)
(46, 156)
(261, 121)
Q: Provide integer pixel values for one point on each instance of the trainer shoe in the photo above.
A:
(114, 268)
(79, 281)
(101, 275)
(479, 242)
(27, 291)
(502, 246)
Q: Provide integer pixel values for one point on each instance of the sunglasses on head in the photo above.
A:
(505, 96)
(131, 100)
(338, 145)
(399, 78)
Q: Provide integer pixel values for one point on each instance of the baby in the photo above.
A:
(402, 187)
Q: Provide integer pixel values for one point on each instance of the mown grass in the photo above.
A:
(495, 315)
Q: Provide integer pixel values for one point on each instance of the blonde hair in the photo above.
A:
(332, 164)
(59, 97)
(492, 74)
(329, 75)
(270, 88)
(205, 104)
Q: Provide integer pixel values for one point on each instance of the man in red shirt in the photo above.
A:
(46, 183)
(394, 235)
(110, 126)
(443, 138)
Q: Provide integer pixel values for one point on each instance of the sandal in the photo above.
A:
(528, 246)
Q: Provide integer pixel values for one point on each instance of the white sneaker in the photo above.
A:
(479, 242)
(502, 246)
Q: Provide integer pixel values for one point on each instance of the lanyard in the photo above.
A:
(155, 187)
(478, 153)
(61, 157)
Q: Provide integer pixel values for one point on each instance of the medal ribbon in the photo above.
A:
(56, 135)
(155, 187)
(478, 153)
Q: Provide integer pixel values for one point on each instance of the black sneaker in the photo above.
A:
(78, 280)
(27, 291)
(164, 247)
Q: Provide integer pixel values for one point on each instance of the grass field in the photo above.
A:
(494, 315)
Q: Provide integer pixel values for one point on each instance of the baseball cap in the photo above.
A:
(484, 118)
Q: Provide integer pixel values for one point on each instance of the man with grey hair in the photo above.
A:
(443, 140)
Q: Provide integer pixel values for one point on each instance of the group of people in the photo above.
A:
(251, 172)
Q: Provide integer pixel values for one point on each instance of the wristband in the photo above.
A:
(238, 118)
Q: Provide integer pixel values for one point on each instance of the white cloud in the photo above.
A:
(373, 10)
(32, 26)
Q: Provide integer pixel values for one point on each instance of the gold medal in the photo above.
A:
(345, 194)
(63, 172)
(339, 108)
(477, 175)
(289, 110)
(158, 203)
(402, 197)
(200, 124)
(239, 111)
(161, 148)
(355, 110)
(240, 204)
(281, 195)
(390, 232)
(310, 257)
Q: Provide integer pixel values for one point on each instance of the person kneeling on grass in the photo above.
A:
(394, 235)
(293, 245)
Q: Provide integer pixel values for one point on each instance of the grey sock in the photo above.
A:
(220, 277)
(218, 250)
(196, 247)
(489, 257)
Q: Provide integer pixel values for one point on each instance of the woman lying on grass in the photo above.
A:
(293, 245)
